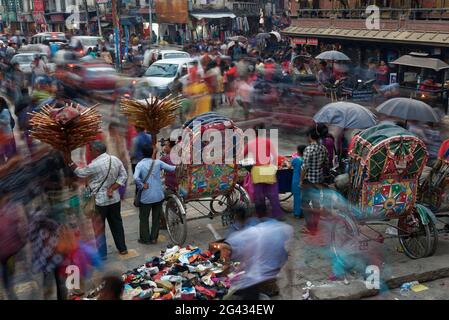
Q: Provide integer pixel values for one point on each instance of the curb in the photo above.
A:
(428, 269)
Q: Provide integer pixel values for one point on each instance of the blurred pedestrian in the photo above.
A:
(112, 288)
(7, 141)
(116, 145)
(13, 237)
(262, 250)
(142, 138)
(296, 189)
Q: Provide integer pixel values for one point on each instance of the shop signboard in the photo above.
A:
(299, 40)
(312, 41)
(171, 11)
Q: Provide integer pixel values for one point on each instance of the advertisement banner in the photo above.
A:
(299, 41)
(171, 11)
(38, 6)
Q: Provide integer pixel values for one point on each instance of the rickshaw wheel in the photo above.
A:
(345, 240)
(175, 215)
(433, 238)
(223, 203)
(415, 237)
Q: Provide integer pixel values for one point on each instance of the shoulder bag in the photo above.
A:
(138, 195)
(89, 206)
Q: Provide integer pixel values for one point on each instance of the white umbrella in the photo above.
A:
(277, 35)
(333, 55)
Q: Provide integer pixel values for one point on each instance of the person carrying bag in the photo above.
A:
(138, 195)
(89, 196)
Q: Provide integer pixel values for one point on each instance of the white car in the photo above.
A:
(25, 59)
(162, 74)
(162, 55)
(85, 41)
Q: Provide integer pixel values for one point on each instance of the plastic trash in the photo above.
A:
(406, 287)
(391, 231)
(306, 295)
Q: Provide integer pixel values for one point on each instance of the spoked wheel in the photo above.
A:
(415, 237)
(285, 197)
(433, 238)
(220, 204)
(345, 240)
(175, 215)
(224, 204)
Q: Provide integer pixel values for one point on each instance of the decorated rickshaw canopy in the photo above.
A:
(388, 150)
(210, 120)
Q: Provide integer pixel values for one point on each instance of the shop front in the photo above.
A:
(212, 25)
(56, 21)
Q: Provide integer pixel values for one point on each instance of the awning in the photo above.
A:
(433, 38)
(213, 15)
(421, 62)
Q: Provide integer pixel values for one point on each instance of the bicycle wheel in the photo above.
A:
(414, 236)
(175, 215)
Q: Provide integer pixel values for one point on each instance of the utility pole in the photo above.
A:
(116, 23)
(97, 7)
(87, 17)
(150, 19)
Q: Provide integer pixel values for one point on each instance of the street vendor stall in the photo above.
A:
(424, 78)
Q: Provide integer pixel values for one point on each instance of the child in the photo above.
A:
(296, 165)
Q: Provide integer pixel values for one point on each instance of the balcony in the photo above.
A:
(433, 14)
(248, 8)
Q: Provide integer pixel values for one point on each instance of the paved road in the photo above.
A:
(310, 259)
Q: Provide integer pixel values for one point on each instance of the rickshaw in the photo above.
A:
(433, 189)
(385, 163)
(212, 180)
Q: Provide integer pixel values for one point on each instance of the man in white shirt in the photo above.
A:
(106, 174)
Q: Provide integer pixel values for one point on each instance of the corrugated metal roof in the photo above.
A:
(432, 38)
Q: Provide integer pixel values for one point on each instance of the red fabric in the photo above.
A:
(443, 148)
(253, 147)
(131, 133)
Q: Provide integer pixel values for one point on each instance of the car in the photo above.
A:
(158, 54)
(25, 59)
(162, 74)
(47, 37)
(83, 43)
(97, 79)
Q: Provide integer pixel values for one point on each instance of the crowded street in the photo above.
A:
(249, 150)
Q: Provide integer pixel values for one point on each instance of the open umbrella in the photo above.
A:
(233, 43)
(263, 36)
(333, 55)
(238, 38)
(408, 109)
(346, 115)
(277, 35)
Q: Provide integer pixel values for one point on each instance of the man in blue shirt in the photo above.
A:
(152, 194)
(142, 138)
